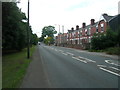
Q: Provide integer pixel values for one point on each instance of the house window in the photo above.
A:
(102, 27)
(96, 29)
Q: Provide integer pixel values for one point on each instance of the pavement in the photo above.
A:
(35, 76)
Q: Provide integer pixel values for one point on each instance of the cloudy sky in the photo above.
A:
(67, 13)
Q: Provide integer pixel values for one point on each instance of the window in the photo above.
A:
(102, 27)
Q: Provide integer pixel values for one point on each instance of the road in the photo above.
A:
(71, 68)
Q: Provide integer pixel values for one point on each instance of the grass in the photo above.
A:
(14, 67)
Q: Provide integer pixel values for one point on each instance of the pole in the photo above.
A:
(59, 34)
(63, 35)
(28, 48)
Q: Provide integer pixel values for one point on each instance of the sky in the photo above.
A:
(67, 13)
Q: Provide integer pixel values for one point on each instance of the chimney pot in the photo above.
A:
(77, 27)
(72, 29)
(83, 25)
(92, 21)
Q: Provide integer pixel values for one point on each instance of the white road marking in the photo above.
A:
(56, 50)
(65, 54)
(61, 50)
(70, 53)
(79, 59)
(101, 65)
(115, 68)
(109, 71)
(89, 60)
(111, 62)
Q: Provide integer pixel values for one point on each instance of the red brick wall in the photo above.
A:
(99, 26)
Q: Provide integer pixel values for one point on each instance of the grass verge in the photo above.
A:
(14, 67)
(111, 51)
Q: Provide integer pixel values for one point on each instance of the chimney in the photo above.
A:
(92, 21)
(72, 29)
(77, 27)
(83, 25)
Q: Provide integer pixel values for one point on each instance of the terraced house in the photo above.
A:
(81, 37)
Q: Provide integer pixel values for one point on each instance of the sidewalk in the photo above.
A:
(35, 76)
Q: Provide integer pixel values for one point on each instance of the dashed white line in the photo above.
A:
(79, 59)
(101, 65)
(55, 49)
(89, 60)
(65, 54)
(70, 53)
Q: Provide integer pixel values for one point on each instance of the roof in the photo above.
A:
(106, 17)
(114, 23)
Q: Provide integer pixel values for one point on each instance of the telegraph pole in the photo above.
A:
(63, 35)
(28, 40)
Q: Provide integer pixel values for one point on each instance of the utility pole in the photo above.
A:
(28, 40)
(63, 35)
(59, 34)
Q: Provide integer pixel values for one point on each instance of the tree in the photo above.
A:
(49, 40)
(105, 40)
(48, 31)
(34, 39)
(14, 30)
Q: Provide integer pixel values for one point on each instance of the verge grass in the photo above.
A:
(14, 67)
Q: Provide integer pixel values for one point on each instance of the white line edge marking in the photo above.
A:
(109, 71)
(79, 59)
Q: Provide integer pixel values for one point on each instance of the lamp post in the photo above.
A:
(28, 41)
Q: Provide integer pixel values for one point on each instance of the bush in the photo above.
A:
(105, 40)
(113, 50)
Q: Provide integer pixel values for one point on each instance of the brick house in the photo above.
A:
(81, 37)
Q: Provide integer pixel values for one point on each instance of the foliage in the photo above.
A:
(41, 39)
(34, 39)
(49, 40)
(113, 50)
(14, 34)
(104, 40)
(48, 31)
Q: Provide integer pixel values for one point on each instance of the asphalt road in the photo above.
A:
(71, 68)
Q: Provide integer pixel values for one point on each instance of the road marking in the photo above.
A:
(89, 60)
(56, 50)
(65, 54)
(115, 68)
(79, 59)
(61, 50)
(101, 65)
(70, 53)
(109, 71)
(111, 62)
